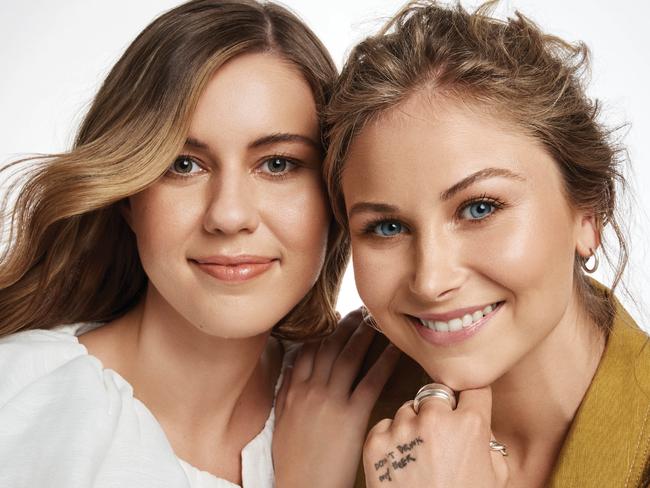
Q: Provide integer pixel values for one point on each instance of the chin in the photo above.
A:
(232, 333)
(239, 326)
(459, 380)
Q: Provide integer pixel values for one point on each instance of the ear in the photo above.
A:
(124, 207)
(588, 228)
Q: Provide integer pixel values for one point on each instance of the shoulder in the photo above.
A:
(609, 439)
(31, 356)
(61, 410)
(628, 351)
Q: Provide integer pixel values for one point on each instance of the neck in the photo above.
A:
(536, 401)
(186, 371)
(205, 391)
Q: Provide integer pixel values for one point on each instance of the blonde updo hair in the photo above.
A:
(533, 79)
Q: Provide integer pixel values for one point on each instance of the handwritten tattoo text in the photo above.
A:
(391, 461)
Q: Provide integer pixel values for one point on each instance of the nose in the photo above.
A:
(233, 205)
(437, 273)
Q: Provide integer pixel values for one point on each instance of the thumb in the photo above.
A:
(498, 456)
(477, 400)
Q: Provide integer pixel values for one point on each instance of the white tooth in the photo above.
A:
(478, 315)
(467, 320)
(428, 324)
(455, 324)
(487, 310)
(441, 326)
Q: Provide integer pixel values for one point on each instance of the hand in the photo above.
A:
(321, 416)
(438, 447)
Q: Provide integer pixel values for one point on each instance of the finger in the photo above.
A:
(281, 398)
(332, 345)
(375, 446)
(434, 405)
(291, 352)
(380, 427)
(404, 414)
(477, 401)
(349, 361)
(370, 387)
(304, 363)
(499, 464)
(475, 412)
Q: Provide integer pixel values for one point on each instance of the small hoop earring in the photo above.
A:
(584, 262)
(369, 320)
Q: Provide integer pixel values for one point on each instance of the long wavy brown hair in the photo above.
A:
(70, 256)
(534, 79)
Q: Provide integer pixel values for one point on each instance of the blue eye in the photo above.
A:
(388, 228)
(477, 210)
(185, 165)
(277, 166)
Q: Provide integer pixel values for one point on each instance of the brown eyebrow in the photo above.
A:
(479, 175)
(284, 137)
(195, 143)
(372, 207)
(445, 195)
(263, 141)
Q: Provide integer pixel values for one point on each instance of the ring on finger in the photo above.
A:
(434, 390)
(496, 446)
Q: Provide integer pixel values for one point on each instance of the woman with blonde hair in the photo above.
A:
(475, 180)
(152, 271)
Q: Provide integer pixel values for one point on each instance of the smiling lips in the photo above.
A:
(456, 326)
(234, 268)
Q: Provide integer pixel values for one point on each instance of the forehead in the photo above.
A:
(435, 142)
(255, 94)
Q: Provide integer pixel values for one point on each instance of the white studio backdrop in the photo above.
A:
(54, 56)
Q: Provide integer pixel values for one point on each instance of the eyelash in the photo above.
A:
(497, 204)
(283, 175)
(286, 174)
(171, 174)
(370, 226)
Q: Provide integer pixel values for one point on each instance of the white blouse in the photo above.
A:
(67, 422)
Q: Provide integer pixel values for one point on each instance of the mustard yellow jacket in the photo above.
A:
(608, 443)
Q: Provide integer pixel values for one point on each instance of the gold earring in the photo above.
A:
(369, 320)
(583, 263)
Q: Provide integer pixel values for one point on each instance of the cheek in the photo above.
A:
(300, 219)
(377, 274)
(530, 253)
(162, 226)
(314, 214)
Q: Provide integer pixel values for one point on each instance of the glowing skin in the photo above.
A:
(235, 234)
(231, 238)
(452, 209)
(509, 236)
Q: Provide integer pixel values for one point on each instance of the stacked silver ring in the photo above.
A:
(434, 390)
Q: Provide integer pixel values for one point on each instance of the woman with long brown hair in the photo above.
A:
(476, 179)
(152, 271)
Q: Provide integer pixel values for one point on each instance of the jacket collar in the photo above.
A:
(609, 440)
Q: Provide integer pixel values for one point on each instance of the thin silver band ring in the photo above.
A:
(434, 390)
(496, 446)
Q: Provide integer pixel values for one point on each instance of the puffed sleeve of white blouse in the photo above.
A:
(67, 423)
